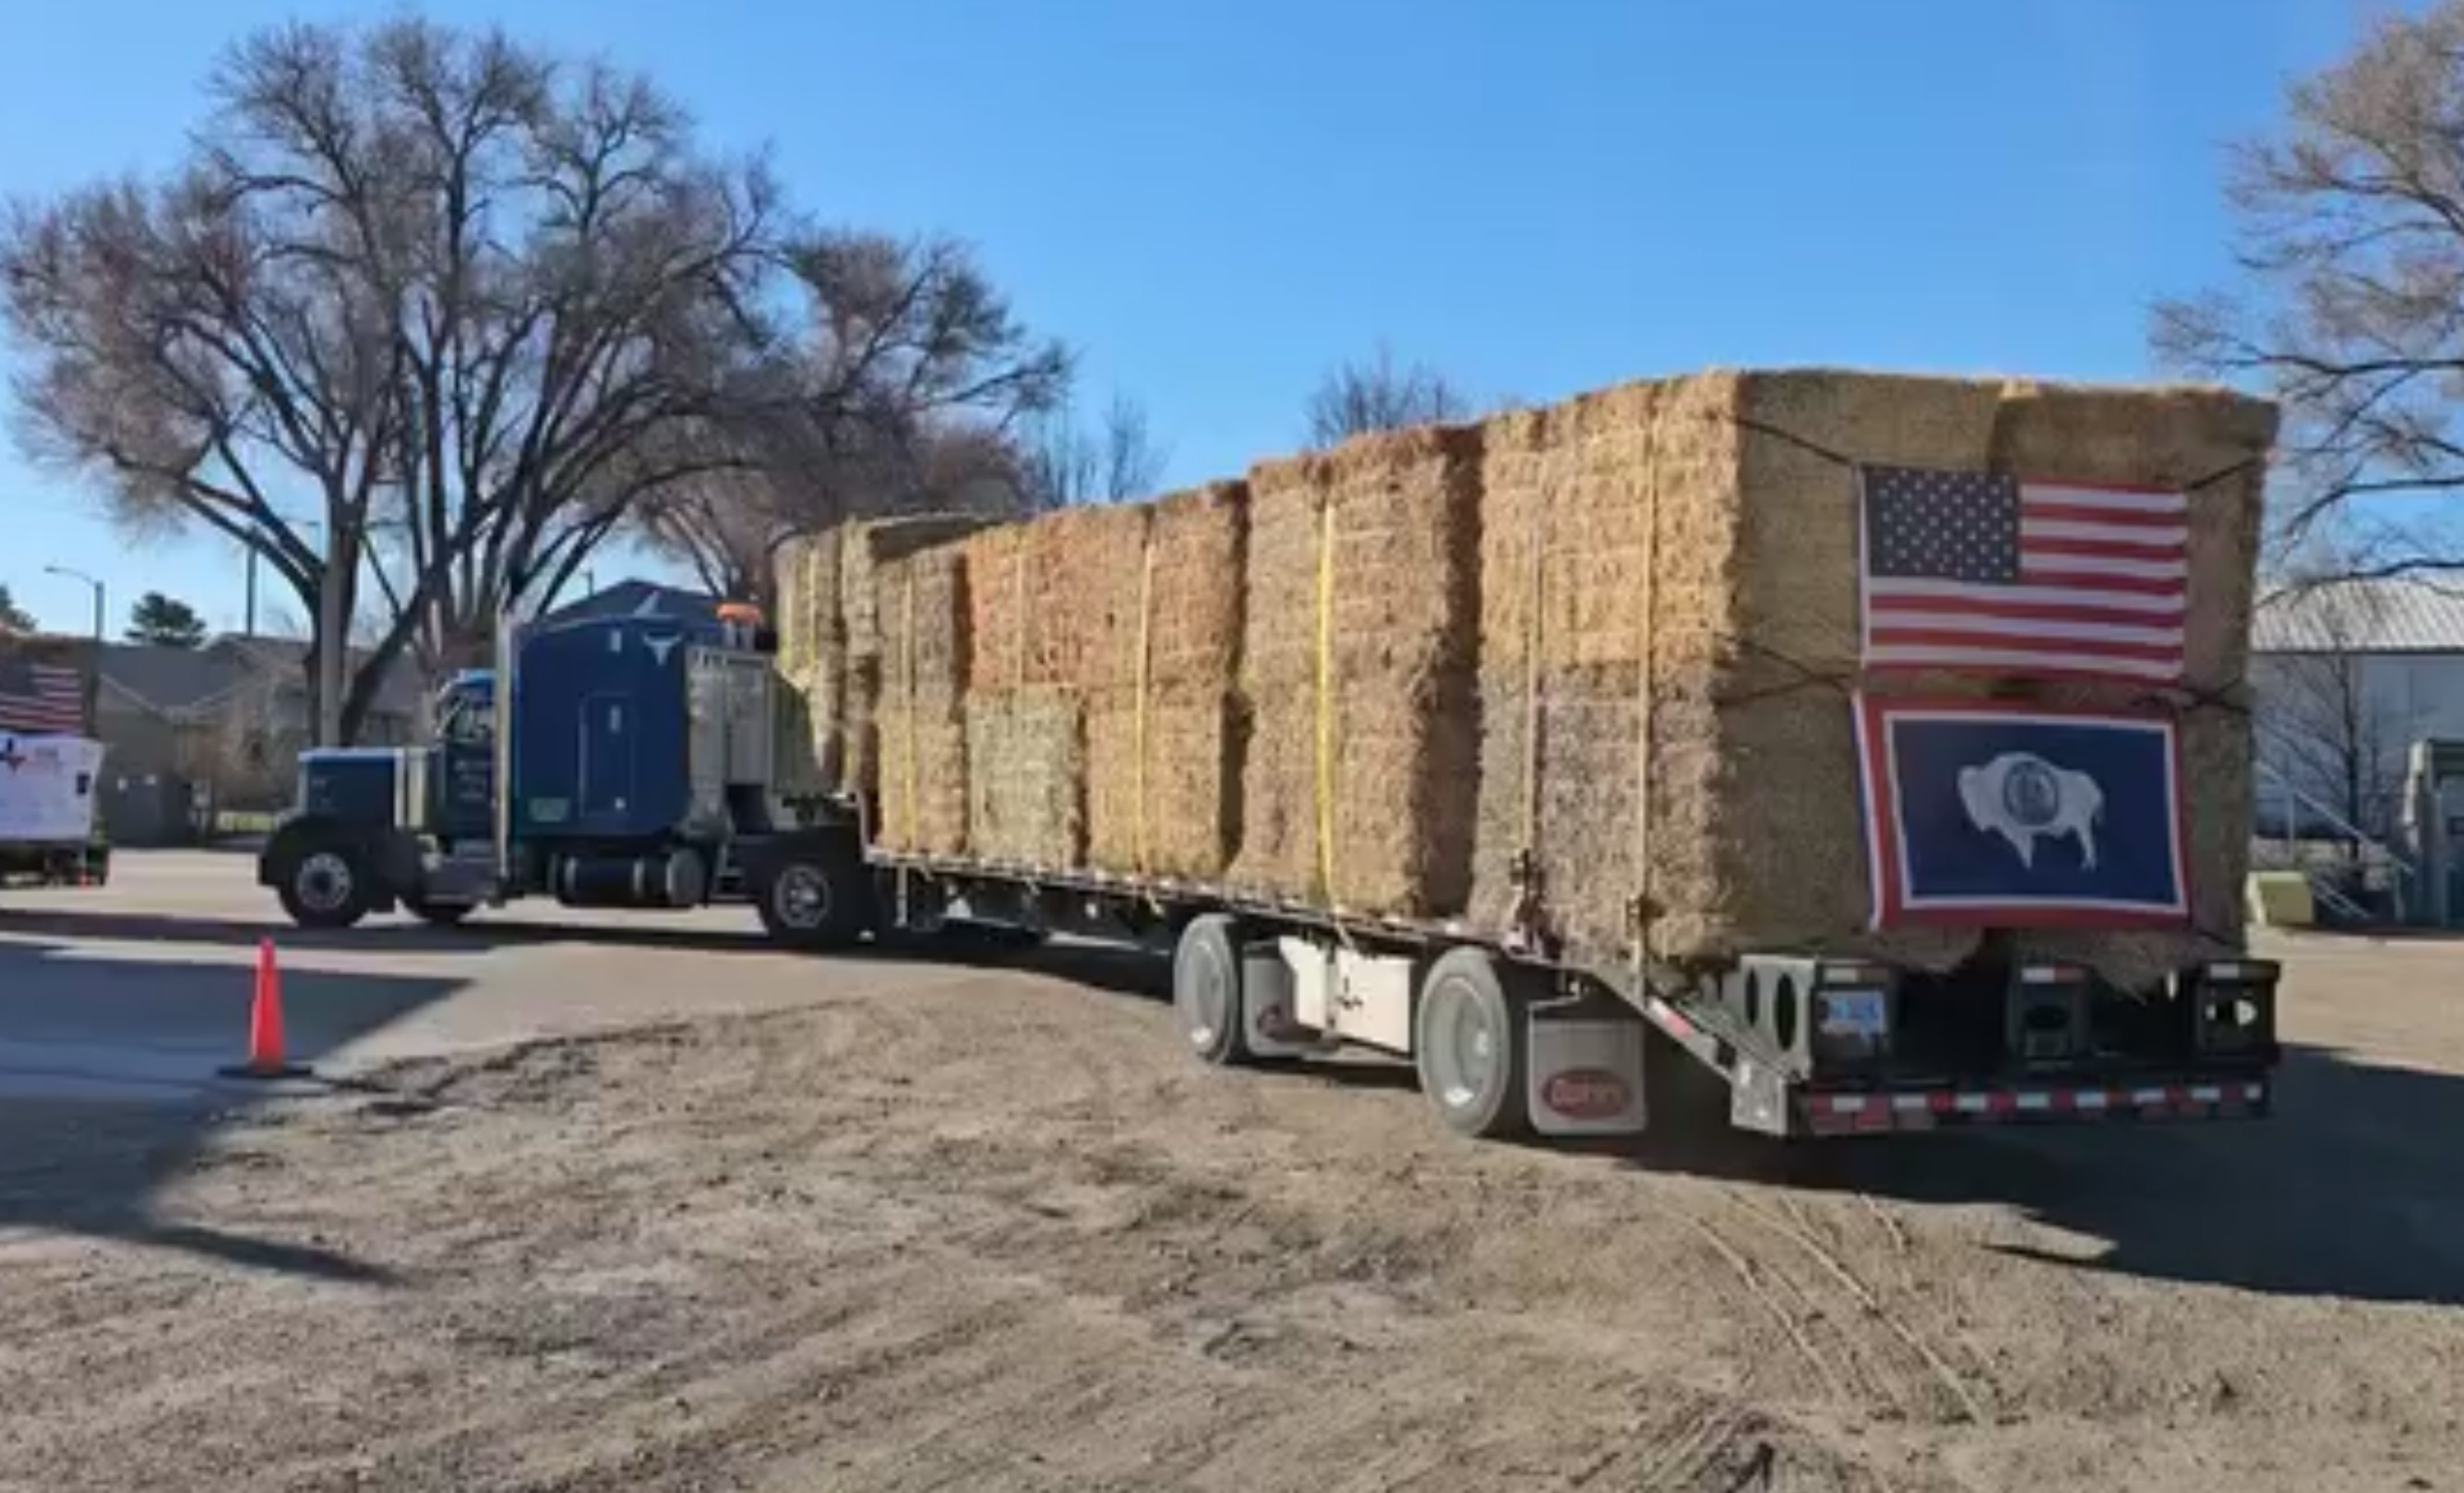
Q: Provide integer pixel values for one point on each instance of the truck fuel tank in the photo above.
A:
(669, 879)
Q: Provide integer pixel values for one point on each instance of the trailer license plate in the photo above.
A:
(1854, 1013)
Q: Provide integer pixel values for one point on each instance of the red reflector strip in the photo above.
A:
(1922, 1109)
(1678, 1025)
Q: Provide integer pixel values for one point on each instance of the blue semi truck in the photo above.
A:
(639, 754)
(636, 762)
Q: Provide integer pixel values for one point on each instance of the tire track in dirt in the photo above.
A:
(1855, 1369)
(1787, 1220)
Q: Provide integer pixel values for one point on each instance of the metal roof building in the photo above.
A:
(2403, 614)
(2345, 676)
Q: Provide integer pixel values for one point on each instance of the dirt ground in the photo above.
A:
(995, 1231)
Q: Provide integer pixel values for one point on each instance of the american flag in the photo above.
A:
(1983, 570)
(41, 699)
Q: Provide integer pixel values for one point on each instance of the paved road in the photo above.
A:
(139, 991)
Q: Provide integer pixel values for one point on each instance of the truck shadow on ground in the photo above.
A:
(2353, 1188)
(1124, 969)
(386, 935)
(108, 1093)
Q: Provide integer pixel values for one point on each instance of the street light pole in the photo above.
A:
(248, 622)
(94, 679)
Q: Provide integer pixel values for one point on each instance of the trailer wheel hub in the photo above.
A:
(1206, 998)
(1464, 1050)
(325, 881)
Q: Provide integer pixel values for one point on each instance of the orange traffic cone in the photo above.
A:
(265, 1056)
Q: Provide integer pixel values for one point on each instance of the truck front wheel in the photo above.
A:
(325, 886)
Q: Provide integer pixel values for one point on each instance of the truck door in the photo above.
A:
(606, 755)
(467, 787)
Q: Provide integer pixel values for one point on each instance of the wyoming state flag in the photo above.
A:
(2021, 816)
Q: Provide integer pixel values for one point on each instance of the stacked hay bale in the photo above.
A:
(1099, 685)
(1692, 543)
(811, 664)
(830, 644)
(867, 549)
(1039, 595)
(1360, 672)
(1162, 725)
(917, 626)
(2164, 437)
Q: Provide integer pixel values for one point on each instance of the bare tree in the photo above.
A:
(1065, 463)
(2350, 302)
(478, 302)
(911, 372)
(726, 527)
(1378, 394)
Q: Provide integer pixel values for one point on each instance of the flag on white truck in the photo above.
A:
(46, 787)
(41, 699)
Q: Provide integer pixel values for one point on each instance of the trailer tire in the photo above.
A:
(1206, 994)
(815, 894)
(326, 884)
(1468, 1043)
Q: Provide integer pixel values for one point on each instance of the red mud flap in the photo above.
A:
(1846, 1114)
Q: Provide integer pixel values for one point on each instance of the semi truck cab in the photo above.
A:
(617, 761)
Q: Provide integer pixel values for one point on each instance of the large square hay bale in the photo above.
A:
(1693, 542)
(1100, 668)
(1042, 599)
(1026, 779)
(811, 665)
(807, 570)
(830, 643)
(1163, 744)
(919, 722)
(1359, 675)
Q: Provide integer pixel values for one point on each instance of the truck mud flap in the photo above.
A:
(1584, 1073)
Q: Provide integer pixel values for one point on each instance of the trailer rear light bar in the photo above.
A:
(1834, 1114)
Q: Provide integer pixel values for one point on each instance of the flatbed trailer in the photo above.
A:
(1508, 1037)
(1510, 1033)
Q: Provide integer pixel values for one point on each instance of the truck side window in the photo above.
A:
(469, 722)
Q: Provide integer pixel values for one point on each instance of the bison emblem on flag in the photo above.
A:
(2020, 816)
(2020, 796)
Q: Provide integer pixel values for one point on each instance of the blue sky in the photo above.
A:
(1217, 199)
